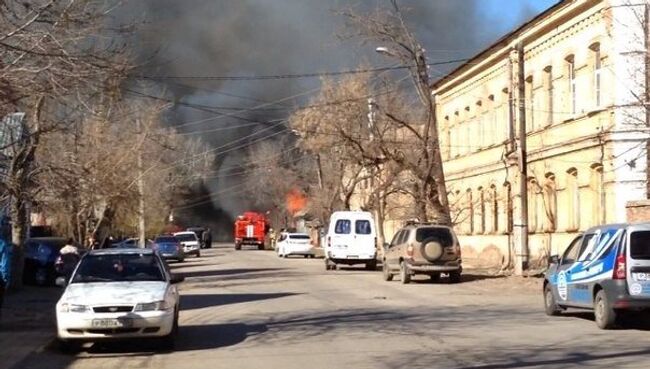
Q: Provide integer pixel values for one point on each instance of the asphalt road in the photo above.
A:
(249, 309)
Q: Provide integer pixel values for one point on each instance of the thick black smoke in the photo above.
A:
(203, 38)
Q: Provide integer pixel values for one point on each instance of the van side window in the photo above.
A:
(588, 246)
(620, 239)
(362, 227)
(342, 226)
(640, 245)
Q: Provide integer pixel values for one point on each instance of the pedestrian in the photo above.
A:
(208, 238)
(5, 261)
(68, 260)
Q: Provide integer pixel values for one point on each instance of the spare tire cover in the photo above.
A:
(431, 249)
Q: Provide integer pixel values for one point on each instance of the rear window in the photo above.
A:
(640, 245)
(443, 235)
(362, 227)
(342, 226)
(299, 237)
(186, 237)
(166, 240)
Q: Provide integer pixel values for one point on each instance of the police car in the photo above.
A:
(606, 269)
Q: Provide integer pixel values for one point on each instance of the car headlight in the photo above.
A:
(153, 306)
(73, 308)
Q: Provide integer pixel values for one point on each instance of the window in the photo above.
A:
(530, 104)
(396, 238)
(597, 64)
(573, 199)
(596, 186)
(469, 205)
(571, 75)
(550, 203)
(533, 191)
(342, 226)
(299, 237)
(403, 237)
(640, 245)
(588, 246)
(507, 207)
(443, 235)
(548, 84)
(118, 268)
(480, 212)
(491, 121)
(362, 227)
(494, 210)
(571, 253)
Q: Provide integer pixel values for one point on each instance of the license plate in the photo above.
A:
(641, 276)
(112, 323)
(353, 256)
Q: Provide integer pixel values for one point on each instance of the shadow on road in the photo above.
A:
(227, 272)
(191, 302)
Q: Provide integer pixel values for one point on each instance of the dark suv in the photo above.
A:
(423, 248)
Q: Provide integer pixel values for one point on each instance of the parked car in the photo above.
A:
(423, 248)
(294, 244)
(129, 243)
(351, 239)
(199, 232)
(169, 247)
(118, 293)
(191, 243)
(41, 254)
(606, 269)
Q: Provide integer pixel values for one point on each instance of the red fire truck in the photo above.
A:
(251, 229)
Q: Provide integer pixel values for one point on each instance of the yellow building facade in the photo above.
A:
(586, 131)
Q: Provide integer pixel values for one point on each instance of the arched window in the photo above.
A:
(505, 224)
(469, 206)
(479, 218)
(550, 203)
(492, 220)
(572, 83)
(530, 104)
(548, 87)
(596, 62)
(573, 199)
(533, 192)
(597, 194)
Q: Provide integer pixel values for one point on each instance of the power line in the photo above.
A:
(293, 76)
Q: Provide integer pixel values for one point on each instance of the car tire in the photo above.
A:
(237, 246)
(260, 247)
(550, 305)
(312, 256)
(181, 260)
(435, 277)
(69, 347)
(388, 276)
(372, 265)
(285, 256)
(404, 273)
(198, 254)
(305, 256)
(454, 277)
(604, 311)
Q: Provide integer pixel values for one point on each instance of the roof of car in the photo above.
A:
(184, 232)
(121, 251)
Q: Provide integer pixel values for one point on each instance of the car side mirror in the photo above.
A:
(61, 282)
(554, 259)
(176, 278)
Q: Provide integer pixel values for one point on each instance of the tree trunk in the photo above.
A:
(18, 213)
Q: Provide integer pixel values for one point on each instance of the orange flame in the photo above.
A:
(296, 201)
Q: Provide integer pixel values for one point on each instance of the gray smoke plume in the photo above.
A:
(203, 38)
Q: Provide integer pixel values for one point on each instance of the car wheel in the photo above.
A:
(372, 265)
(312, 256)
(305, 256)
(181, 260)
(285, 256)
(198, 254)
(388, 276)
(435, 277)
(237, 246)
(454, 277)
(604, 311)
(550, 305)
(404, 273)
(69, 347)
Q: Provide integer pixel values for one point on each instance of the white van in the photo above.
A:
(351, 239)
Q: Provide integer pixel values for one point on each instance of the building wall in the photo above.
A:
(586, 153)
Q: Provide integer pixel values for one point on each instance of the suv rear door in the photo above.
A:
(638, 263)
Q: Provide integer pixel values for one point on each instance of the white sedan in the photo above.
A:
(191, 243)
(118, 293)
(294, 244)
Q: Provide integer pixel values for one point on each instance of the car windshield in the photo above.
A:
(118, 268)
(166, 240)
(299, 237)
(186, 237)
(640, 245)
(442, 235)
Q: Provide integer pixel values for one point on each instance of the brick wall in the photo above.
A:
(638, 211)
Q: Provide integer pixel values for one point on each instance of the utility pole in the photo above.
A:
(521, 217)
(141, 205)
(377, 213)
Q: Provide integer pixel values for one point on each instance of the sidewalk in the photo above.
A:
(27, 323)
